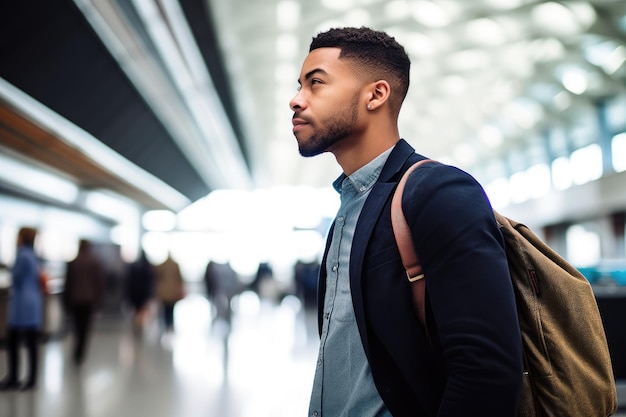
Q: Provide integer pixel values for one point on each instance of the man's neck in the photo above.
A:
(351, 158)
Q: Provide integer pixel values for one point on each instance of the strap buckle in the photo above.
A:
(415, 278)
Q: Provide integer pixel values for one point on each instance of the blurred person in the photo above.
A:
(265, 284)
(222, 284)
(305, 275)
(375, 357)
(83, 295)
(264, 273)
(25, 317)
(140, 289)
(169, 290)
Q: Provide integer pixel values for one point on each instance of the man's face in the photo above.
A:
(326, 106)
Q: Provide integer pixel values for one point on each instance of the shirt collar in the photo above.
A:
(363, 178)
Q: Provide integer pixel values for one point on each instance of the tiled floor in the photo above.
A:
(265, 369)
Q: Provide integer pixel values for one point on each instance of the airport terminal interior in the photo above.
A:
(163, 128)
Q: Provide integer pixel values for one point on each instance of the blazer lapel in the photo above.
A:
(364, 228)
(372, 209)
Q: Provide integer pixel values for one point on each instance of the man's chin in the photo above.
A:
(308, 153)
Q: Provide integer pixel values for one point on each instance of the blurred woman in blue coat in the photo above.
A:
(25, 312)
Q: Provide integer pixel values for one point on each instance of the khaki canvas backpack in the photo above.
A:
(567, 365)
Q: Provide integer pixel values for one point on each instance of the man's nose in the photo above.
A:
(296, 103)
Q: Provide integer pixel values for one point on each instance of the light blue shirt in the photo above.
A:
(343, 384)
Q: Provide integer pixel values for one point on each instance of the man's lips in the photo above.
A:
(298, 123)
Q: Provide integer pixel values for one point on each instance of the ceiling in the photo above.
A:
(191, 96)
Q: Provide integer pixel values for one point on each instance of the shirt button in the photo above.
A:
(340, 219)
(319, 362)
(363, 189)
(326, 316)
(315, 414)
(334, 268)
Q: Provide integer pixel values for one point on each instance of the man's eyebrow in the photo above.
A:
(311, 73)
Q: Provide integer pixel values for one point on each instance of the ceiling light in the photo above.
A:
(498, 191)
(368, 2)
(287, 14)
(490, 136)
(470, 59)
(584, 13)
(575, 80)
(357, 17)
(286, 74)
(286, 46)
(504, 4)
(616, 60)
(546, 49)
(337, 4)
(418, 44)
(618, 150)
(597, 51)
(484, 31)
(514, 61)
(555, 18)
(159, 220)
(397, 9)
(111, 205)
(328, 24)
(29, 177)
(430, 14)
(465, 154)
(454, 85)
(217, 145)
(525, 112)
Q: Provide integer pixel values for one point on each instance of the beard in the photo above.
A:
(339, 126)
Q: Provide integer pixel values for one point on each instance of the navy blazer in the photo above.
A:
(471, 362)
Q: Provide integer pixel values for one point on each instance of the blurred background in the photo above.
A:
(164, 126)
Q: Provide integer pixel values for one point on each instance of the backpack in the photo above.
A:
(567, 365)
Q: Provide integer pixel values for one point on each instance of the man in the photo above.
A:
(84, 288)
(170, 289)
(375, 358)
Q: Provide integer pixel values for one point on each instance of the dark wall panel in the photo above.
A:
(48, 50)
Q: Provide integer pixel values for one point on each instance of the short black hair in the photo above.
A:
(378, 53)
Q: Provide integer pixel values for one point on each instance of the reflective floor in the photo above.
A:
(264, 368)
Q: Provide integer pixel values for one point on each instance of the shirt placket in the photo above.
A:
(332, 277)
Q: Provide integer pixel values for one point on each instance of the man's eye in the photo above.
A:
(315, 81)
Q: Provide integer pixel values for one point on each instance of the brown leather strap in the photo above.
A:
(404, 241)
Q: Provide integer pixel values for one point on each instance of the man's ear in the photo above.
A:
(379, 94)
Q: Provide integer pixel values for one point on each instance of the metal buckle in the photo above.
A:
(415, 278)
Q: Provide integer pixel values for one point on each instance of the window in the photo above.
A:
(561, 173)
(498, 192)
(583, 246)
(586, 164)
(538, 179)
(618, 149)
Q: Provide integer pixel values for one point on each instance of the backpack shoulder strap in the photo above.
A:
(402, 233)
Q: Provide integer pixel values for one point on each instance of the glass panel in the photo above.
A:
(561, 173)
(586, 164)
(618, 149)
(583, 246)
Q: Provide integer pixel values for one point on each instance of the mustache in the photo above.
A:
(300, 117)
